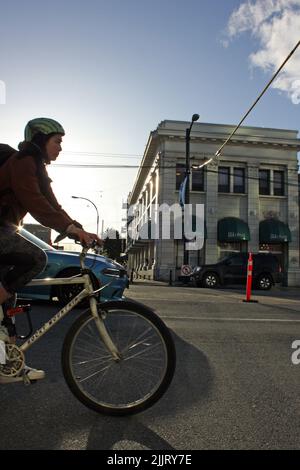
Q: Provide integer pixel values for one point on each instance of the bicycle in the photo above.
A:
(118, 357)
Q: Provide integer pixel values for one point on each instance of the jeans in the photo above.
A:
(20, 260)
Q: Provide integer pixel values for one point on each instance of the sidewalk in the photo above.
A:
(149, 282)
(275, 292)
(279, 291)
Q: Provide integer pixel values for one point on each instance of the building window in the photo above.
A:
(224, 179)
(264, 182)
(198, 179)
(180, 174)
(238, 180)
(278, 183)
(229, 248)
(197, 257)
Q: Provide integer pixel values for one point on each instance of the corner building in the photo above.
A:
(250, 196)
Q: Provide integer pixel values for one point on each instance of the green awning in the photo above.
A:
(232, 229)
(274, 231)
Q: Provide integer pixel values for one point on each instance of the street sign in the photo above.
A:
(186, 270)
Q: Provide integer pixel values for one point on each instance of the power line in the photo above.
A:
(92, 165)
(216, 155)
(102, 154)
(105, 166)
(168, 167)
(218, 152)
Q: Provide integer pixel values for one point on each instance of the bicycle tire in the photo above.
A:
(83, 353)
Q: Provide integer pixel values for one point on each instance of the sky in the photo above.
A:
(111, 71)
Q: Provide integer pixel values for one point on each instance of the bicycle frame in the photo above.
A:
(87, 291)
(92, 365)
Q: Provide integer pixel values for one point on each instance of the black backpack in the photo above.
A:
(6, 151)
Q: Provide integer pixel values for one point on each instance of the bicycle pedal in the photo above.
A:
(26, 380)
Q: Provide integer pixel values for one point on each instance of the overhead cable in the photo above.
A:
(218, 152)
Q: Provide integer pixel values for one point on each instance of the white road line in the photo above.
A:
(262, 301)
(213, 297)
(267, 320)
(198, 300)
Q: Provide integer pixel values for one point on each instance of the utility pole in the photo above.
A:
(195, 118)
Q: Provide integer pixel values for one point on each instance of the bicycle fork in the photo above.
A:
(104, 335)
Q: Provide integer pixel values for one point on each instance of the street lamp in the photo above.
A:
(195, 118)
(77, 197)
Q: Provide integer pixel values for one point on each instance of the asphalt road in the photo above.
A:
(235, 385)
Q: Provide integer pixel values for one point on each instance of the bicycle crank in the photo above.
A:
(15, 361)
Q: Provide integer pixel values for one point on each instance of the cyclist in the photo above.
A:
(25, 187)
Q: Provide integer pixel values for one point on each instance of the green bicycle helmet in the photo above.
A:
(44, 126)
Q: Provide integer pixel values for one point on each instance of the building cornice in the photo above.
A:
(211, 134)
(238, 140)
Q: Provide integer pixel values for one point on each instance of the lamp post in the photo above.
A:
(77, 197)
(195, 118)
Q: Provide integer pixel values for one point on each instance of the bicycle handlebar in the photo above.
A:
(63, 235)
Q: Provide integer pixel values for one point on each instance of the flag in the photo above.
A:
(182, 192)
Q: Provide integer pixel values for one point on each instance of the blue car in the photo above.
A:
(66, 264)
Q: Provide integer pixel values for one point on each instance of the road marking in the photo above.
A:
(152, 299)
(268, 320)
(229, 299)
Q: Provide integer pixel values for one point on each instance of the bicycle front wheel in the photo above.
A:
(138, 379)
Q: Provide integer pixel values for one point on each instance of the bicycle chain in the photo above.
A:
(15, 361)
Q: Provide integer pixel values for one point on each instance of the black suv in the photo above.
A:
(233, 270)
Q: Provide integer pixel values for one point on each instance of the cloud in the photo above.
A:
(276, 26)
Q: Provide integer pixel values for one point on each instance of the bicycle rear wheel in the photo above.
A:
(135, 382)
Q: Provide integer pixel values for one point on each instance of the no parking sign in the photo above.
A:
(186, 270)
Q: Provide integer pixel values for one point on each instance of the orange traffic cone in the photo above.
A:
(249, 279)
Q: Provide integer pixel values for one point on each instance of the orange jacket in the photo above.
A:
(22, 191)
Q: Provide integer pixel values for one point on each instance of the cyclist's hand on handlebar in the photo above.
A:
(85, 238)
(94, 238)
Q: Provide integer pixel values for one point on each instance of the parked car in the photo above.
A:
(65, 264)
(233, 270)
